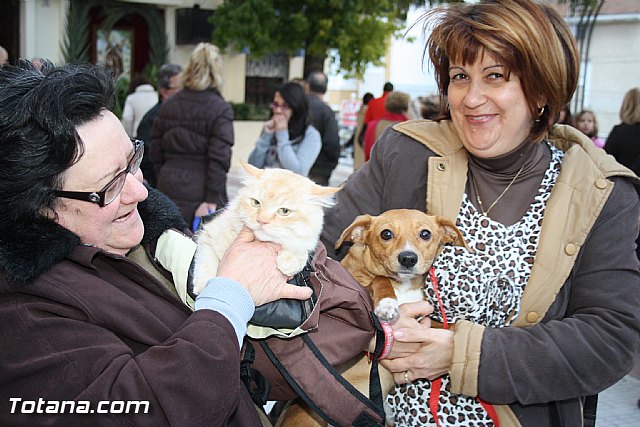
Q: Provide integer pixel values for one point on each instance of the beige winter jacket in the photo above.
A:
(581, 185)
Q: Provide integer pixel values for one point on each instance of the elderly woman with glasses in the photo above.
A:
(96, 328)
(288, 140)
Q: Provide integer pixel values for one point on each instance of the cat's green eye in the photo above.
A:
(255, 203)
(284, 211)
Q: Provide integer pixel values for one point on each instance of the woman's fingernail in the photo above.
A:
(398, 334)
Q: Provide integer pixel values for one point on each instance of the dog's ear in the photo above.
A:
(452, 234)
(355, 232)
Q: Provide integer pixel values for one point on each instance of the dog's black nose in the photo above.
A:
(407, 259)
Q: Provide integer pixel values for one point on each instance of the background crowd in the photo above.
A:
(195, 173)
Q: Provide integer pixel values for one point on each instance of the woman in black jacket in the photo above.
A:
(623, 142)
(192, 138)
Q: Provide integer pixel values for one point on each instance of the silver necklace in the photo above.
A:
(475, 187)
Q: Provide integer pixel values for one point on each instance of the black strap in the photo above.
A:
(256, 383)
(589, 410)
(375, 389)
(375, 404)
(293, 383)
(354, 391)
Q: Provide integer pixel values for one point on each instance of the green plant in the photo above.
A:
(122, 90)
(260, 112)
(244, 111)
(358, 29)
(150, 72)
(75, 43)
(240, 110)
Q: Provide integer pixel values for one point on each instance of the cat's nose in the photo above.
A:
(263, 221)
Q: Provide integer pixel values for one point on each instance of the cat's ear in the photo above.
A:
(319, 190)
(252, 170)
(356, 231)
(324, 195)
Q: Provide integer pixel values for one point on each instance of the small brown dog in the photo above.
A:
(392, 252)
(390, 256)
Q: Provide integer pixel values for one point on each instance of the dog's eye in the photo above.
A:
(386, 234)
(284, 211)
(255, 203)
(425, 235)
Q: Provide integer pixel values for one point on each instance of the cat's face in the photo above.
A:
(278, 205)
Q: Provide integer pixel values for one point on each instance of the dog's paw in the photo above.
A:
(388, 310)
(290, 264)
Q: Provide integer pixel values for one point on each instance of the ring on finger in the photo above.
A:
(406, 376)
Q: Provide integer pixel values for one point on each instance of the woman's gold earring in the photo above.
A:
(540, 113)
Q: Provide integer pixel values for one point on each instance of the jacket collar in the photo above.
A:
(145, 88)
(29, 249)
(442, 139)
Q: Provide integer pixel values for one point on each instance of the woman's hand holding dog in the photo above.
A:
(419, 351)
(410, 317)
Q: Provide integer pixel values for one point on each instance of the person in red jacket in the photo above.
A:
(396, 105)
(376, 107)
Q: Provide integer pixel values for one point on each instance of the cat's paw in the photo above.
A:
(289, 263)
(388, 310)
(198, 285)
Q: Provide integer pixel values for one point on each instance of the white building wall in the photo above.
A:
(42, 28)
(614, 68)
(403, 66)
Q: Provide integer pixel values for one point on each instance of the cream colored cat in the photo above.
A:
(278, 206)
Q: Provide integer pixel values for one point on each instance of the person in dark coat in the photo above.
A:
(95, 325)
(623, 141)
(168, 77)
(324, 120)
(192, 138)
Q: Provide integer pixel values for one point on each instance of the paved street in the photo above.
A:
(617, 406)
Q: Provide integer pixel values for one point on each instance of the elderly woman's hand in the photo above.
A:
(252, 263)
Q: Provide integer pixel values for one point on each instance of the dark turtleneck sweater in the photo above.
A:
(493, 175)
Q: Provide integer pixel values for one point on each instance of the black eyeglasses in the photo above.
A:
(110, 191)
